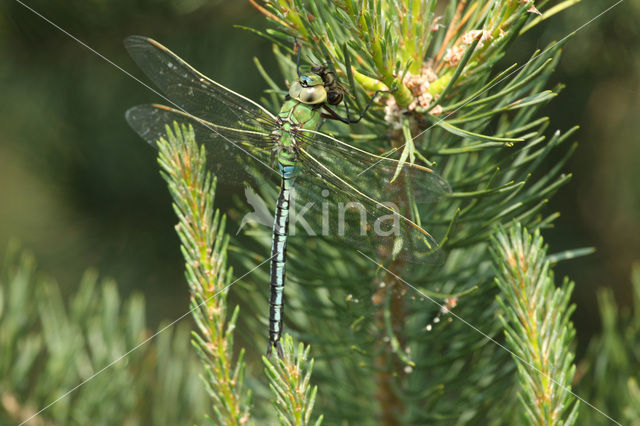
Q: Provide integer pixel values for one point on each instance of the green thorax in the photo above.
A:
(295, 115)
(303, 116)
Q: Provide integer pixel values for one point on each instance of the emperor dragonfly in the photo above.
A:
(241, 135)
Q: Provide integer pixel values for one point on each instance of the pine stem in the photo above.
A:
(390, 370)
(389, 367)
(204, 245)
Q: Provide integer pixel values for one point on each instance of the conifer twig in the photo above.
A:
(290, 382)
(72, 354)
(476, 127)
(204, 246)
(535, 315)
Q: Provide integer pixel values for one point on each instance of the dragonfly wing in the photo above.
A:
(356, 192)
(233, 153)
(192, 92)
(363, 169)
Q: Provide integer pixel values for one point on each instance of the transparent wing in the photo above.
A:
(192, 92)
(234, 129)
(235, 154)
(351, 194)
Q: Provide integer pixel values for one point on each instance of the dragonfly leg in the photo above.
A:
(297, 46)
(348, 120)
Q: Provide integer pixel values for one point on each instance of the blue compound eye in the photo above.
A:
(305, 80)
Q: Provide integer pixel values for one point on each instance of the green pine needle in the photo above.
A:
(204, 246)
(289, 380)
(535, 315)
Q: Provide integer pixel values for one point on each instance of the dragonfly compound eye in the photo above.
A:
(305, 81)
(308, 95)
(313, 95)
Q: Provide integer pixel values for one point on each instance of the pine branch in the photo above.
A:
(475, 126)
(535, 315)
(290, 382)
(204, 247)
(48, 349)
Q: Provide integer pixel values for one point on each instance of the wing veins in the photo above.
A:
(357, 191)
(139, 42)
(210, 126)
(367, 153)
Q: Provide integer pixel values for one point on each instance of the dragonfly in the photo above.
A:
(367, 193)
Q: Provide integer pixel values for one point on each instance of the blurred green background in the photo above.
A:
(80, 189)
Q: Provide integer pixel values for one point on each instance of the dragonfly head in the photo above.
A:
(309, 89)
